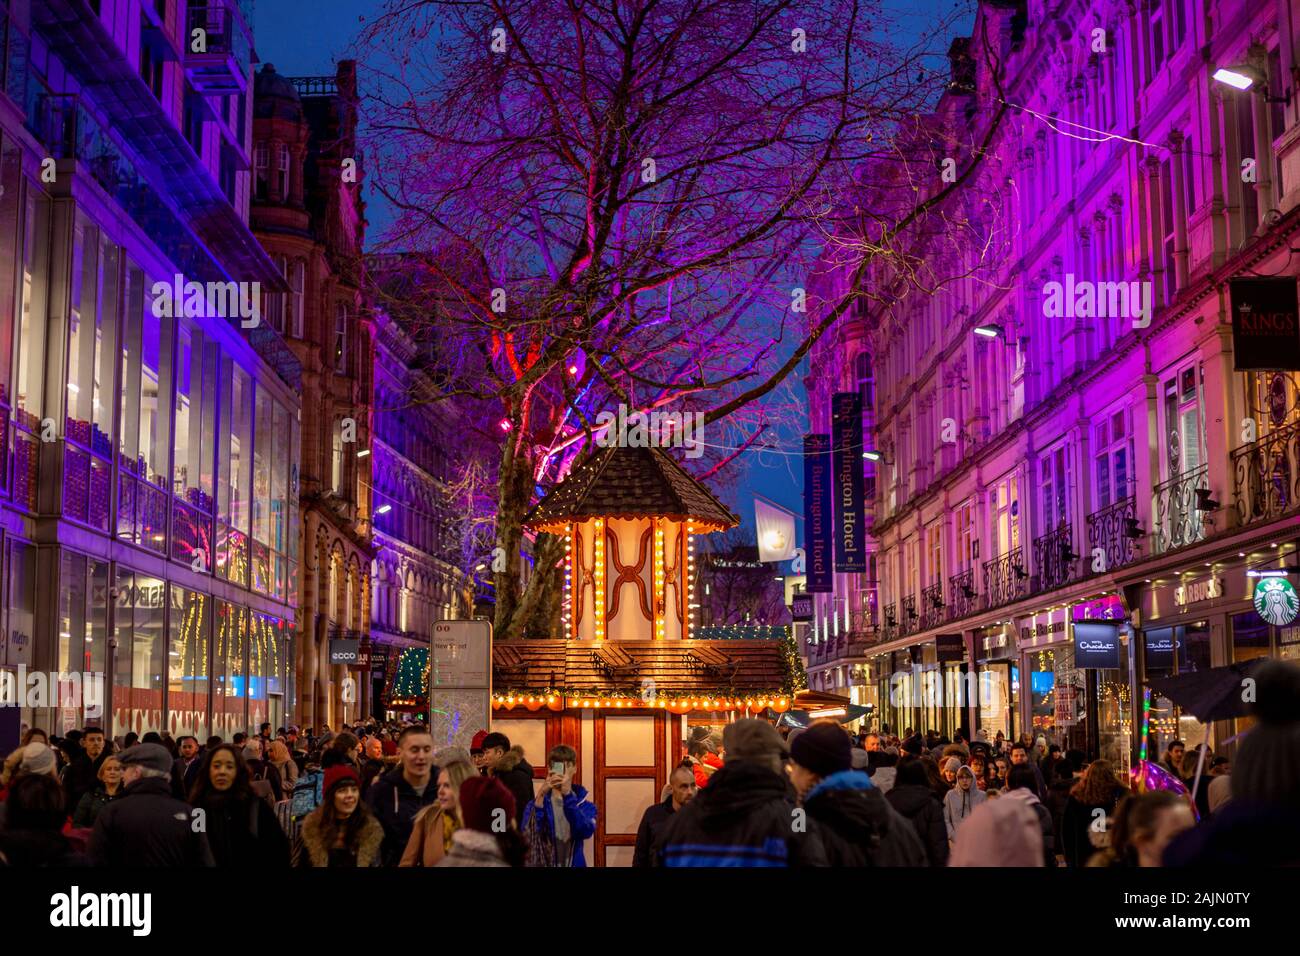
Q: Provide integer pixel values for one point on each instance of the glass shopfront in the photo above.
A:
(997, 683)
(1168, 651)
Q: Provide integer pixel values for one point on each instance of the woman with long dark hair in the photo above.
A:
(242, 830)
(341, 831)
(1087, 819)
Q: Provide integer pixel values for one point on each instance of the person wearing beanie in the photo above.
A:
(856, 824)
(949, 769)
(961, 800)
(489, 836)
(1260, 824)
(146, 825)
(476, 752)
(743, 817)
(342, 831)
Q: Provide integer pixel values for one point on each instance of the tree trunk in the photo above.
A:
(514, 494)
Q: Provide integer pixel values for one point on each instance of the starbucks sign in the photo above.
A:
(1276, 601)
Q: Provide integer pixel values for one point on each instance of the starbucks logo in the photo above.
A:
(1276, 601)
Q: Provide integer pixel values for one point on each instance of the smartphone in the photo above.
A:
(557, 768)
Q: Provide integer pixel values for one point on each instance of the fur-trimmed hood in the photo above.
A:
(511, 759)
(369, 841)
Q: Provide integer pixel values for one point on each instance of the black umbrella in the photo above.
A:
(1213, 694)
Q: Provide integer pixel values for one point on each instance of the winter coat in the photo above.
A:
(82, 776)
(147, 826)
(395, 803)
(650, 832)
(883, 778)
(916, 802)
(474, 848)
(1076, 827)
(90, 805)
(516, 773)
(999, 833)
(741, 819)
(183, 780)
(1044, 821)
(958, 804)
(578, 810)
(701, 770)
(311, 849)
(244, 832)
(430, 837)
(1239, 834)
(1058, 795)
(858, 826)
(288, 775)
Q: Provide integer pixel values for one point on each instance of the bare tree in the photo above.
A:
(617, 201)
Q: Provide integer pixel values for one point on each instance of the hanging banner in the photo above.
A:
(775, 527)
(1265, 328)
(817, 512)
(1096, 645)
(801, 607)
(850, 513)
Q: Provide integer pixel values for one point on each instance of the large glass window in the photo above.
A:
(1054, 480)
(265, 659)
(187, 662)
(262, 451)
(1184, 422)
(193, 460)
(1005, 501)
(83, 637)
(228, 670)
(296, 299)
(1113, 458)
(1169, 651)
(29, 373)
(141, 646)
(341, 337)
(280, 503)
(11, 191)
(234, 484)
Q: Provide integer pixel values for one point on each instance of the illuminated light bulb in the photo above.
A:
(504, 424)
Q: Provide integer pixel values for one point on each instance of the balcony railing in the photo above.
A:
(1178, 520)
(220, 64)
(910, 621)
(1055, 560)
(1265, 475)
(963, 599)
(1005, 578)
(932, 606)
(889, 623)
(1109, 530)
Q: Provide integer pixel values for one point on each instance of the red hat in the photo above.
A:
(477, 743)
(338, 775)
(480, 799)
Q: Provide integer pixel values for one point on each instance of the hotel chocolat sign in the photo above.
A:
(1265, 328)
(817, 512)
(949, 648)
(850, 513)
(1096, 645)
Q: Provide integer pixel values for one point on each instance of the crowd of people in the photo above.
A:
(745, 795)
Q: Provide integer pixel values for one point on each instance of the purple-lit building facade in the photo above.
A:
(1054, 468)
(149, 481)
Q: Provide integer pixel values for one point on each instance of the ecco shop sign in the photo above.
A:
(1205, 590)
(344, 651)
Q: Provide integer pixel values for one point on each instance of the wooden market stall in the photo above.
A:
(626, 674)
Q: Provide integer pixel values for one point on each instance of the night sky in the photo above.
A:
(308, 39)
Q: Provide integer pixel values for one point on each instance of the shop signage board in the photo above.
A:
(1096, 645)
(1265, 328)
(1206, 589)
(1067, 702)
(1276, 601)
(344, 651)
(950, 648)
(1160, 645)
(817, 513)
(1106, 608)
(801, 607)
(846, 456)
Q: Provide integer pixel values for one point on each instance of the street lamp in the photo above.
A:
(383, 509)
(1244, 77)
(872, 455)
(988, 331)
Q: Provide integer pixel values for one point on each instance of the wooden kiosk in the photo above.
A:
(625, 677)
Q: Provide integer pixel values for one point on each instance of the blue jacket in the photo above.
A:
(578, 810)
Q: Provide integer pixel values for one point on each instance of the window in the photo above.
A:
(966, 550)
(341, 337)
(234, 479)
(1157, 41)
(282, 168)
(1167, 228)
(141, 651)
(193, 461)
(1054, 480)
(187, 662)
(1004, 501)
(1113, 458)
(934, 535)
(151, 68)
(1189, 178)
(192, 119)
(296, 299)
(274, 304)
(1184, 424)
(1277, 116)
(263, 427)
(261, 160)
(336, 459)
(229, 647)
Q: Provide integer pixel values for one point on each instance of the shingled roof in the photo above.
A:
(623, 482)
(674, 666)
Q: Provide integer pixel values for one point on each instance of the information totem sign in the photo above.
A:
(460, 681)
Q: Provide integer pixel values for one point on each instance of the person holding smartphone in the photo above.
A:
(561, 816)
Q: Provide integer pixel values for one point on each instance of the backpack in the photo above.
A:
(307, 794)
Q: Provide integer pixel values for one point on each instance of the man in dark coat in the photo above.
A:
(858, 826)
(146, 825)
(745, 816)
(682, 790)
(400, 794)
(82, 773)
(912, 797)
(508, 765)
(185, 769)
